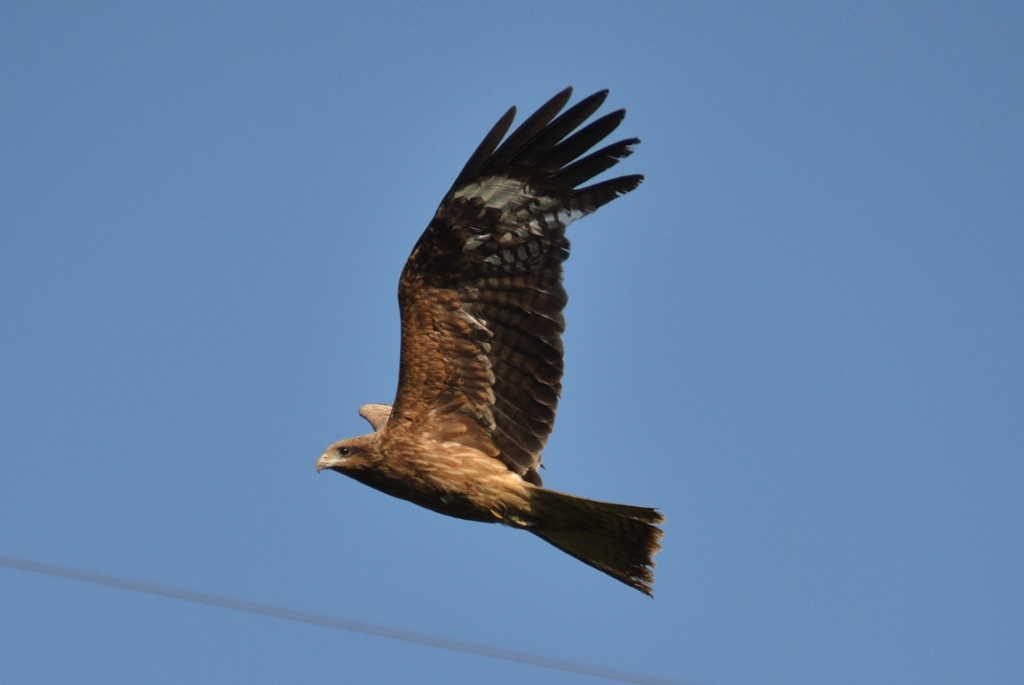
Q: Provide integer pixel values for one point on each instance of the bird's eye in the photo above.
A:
(344, 451)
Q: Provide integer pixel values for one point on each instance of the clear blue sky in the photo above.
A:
(802, 338)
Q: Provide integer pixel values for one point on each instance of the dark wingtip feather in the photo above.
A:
(581, 141)
(531, 127)
(590, 198)
(593, 164)
(485, 149)
(558, 129)
(544, 151)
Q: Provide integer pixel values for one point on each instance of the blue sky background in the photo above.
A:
(802, 338)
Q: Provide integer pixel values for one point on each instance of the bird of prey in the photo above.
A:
(481, 302)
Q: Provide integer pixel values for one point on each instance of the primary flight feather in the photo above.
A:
(481, 302)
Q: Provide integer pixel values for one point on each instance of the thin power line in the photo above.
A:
(338, 623)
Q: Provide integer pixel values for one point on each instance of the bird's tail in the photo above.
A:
(615, 538)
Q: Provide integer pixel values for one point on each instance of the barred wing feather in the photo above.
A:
(481, 295)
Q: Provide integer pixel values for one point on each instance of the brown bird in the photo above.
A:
(481, 302)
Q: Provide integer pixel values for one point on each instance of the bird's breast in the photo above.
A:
(450, 479)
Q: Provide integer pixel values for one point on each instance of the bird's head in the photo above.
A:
(349, 455)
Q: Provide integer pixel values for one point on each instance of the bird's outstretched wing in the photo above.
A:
(481, 296)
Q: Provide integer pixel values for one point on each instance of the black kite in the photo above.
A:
(481, 301)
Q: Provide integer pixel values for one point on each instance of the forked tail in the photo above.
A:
(615, 538)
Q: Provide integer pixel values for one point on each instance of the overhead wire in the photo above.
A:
(332, 622)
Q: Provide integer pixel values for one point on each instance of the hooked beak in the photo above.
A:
(326, 461)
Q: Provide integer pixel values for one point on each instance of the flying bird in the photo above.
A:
(481, 302)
